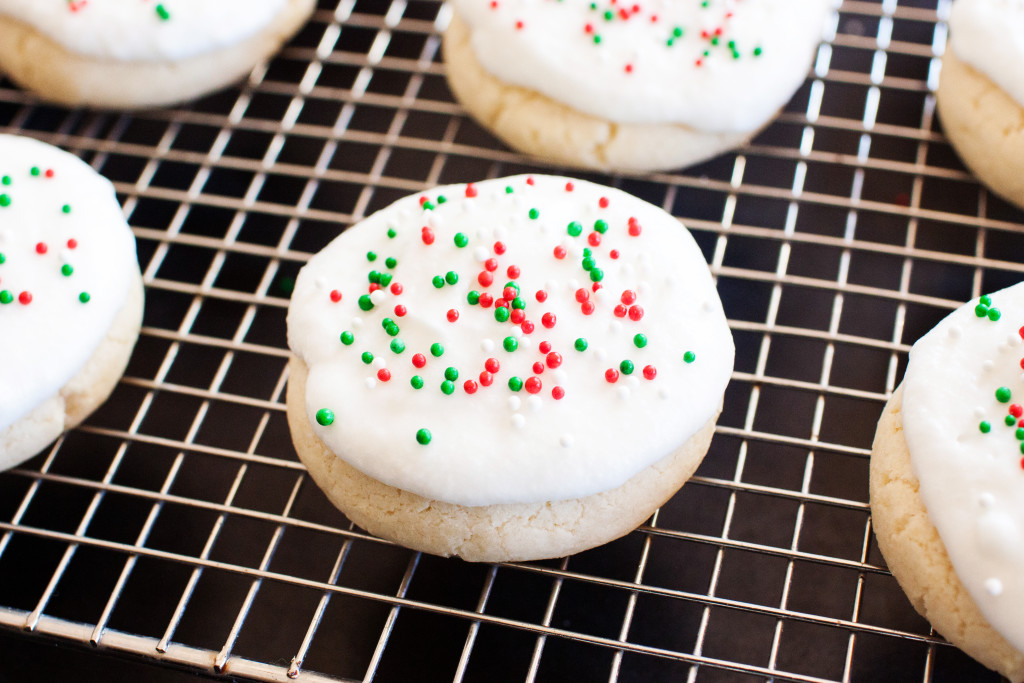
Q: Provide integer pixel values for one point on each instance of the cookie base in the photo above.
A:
(84, 392)
(985, 126)
(488, 533)
(917, 557)
(537, 125)
(40, 64)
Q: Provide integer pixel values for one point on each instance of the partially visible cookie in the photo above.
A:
(112, 53)
(947, 480)
(515, 369)
(639, 87)
(70, 294)
(981, 92)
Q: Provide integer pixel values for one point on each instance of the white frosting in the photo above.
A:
(972, 483)
(134, 30)
(498, 445)
(45, 342)
(989, 35)
(640, 71)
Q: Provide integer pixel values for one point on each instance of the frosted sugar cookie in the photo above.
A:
(70, 294)
(629, 86)
(981, 92)
(947, 480)
(520, 368)
(139, 53)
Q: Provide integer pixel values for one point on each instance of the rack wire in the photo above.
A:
(178, 525)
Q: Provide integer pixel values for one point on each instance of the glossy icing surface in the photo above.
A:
(962, 419)
(565, 391)
(989, 35)
(144, 30)
(721, 65)
(66, 262)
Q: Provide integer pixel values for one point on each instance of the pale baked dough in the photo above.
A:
(985, 126)
(38, 63)
(533, 123)
(489, 533)
(917, 557)
(84, 392)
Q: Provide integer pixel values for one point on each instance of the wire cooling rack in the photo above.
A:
(178, 525)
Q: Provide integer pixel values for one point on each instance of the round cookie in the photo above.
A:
(947, 480)
(70, 294)
(118, 54)
(981, 92)
(640, 87)
(515, 369)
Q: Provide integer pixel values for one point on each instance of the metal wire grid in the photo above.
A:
(178, 525)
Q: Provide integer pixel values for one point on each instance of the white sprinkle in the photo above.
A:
(320, 282)
(379, 362)
(487, 345)
(600, 354)
(525, 343)
(986, 500)
(480, 254)
(514, 403)
(357, 322)
(987, 366)
(561, 377)
(643, 287)
(434, 219)
(534, 403)
(624, 392)
(565, 440)
(371, 382)
(378, 296)
(551, 285)
(633, 381)
(572, 285)
(518, 421)
(1012, 340)
(663, 393)
(614, 327)
(994, 587)
(955, 332)
(979, 412)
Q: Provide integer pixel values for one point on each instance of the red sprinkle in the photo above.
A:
(594, 239)
(603, 202)
(400, 310)
(634, 227)
(587, 307)
(41, 248)
(548, 320)
(491, 264)
(470, 188)
(72, 243)
(569, 187)
(486, 300)
(517, 316)
(374, 286)
(527, 327)
(529, 180)
(499, 248)
(485, 279)
(428, 236)
(509, 293)
(1016, 410)
(541, 295)
(25, 298)
(533, 385)
(538, 368)
(513, 272)
(553, 359)
(557, 393)
(544, 347)
(470, 386)
(335, 296)
(486, 379)
(628, 296)
(49, 173)
(636, 312)
(620, 311)
(613, 254)
(611, 375)
(582, 295)
(383, 374)
(396, 288)
(492, 365)
(560, 252)
(596, 286)
(453, 315)
(650, 372)
(419, 360)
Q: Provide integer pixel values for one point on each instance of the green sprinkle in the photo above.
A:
(515, 384)
(1010, 420)
(461, 240)
(390, 262)
(597, 39)
(423, 436)
(981, 310)
(416, 382)
(6, 180)
(986, 299)
(392, 330)
(438, 281)
(447, 387)
(385, 279)
(1019, 434)
(534, 214)
(347, 338)
(451, 374)
(397, 345)
(162, 12)
(758, 51)
(473, 297)
(626, 367)
(596, 274)
(5, 200)
(374, 277)
(994, 314)
(519, 303)
(324, 417)
(391, 233)
(689, 357)
(84, 297)
(985, 427)
(365, 303)
(34, 171)
(66, 208)
(371, 256)
(451, 277)
(609, 15)
(513, 285)
(501, 314)
(510, 344)
(587, 252)
(66, 270)
(436, 350)
(639, 341)
(574, 229)
(581, 344)
(385, 322)
(367, 357)
(677, 32)
(1003, 394)
(508, 189)
(588, 263)
(601, 226)
(428, 206)
(2, 259)
(6, 297)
